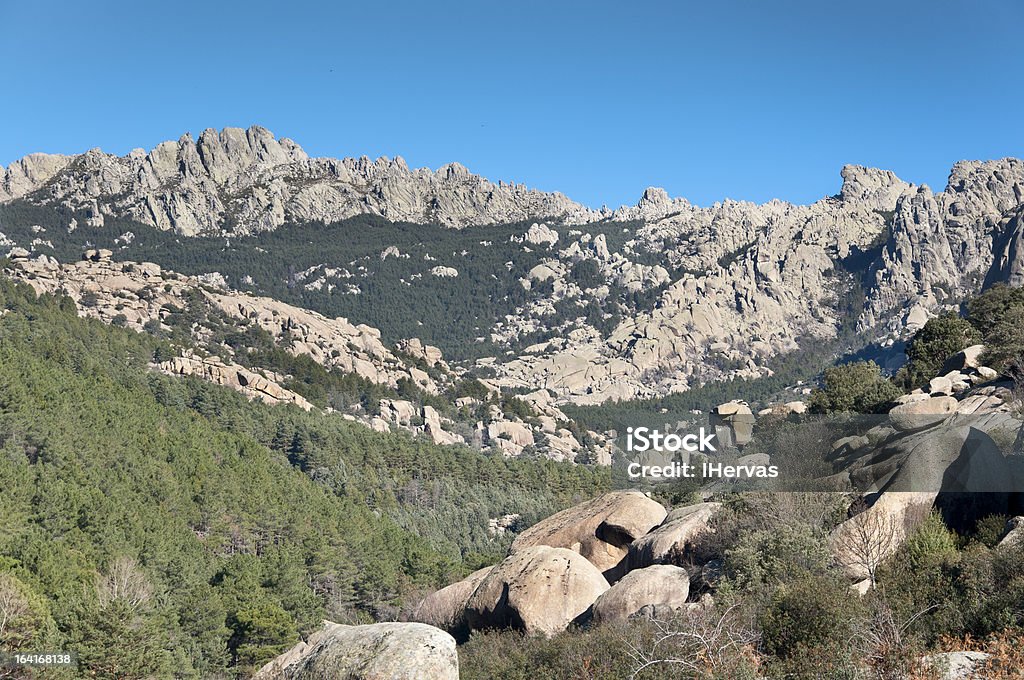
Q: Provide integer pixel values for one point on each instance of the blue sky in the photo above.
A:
(747, 100)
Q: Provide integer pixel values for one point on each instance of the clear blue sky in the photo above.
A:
(747, 100)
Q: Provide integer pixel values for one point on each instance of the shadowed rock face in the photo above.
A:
(953, 465)
(538, 590)
(446, 608)
(680, 528)
(381, 651)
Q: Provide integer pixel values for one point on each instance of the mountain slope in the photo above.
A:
(238, 525)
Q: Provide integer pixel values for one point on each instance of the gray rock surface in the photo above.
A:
(258, 181)
(749, 281)
(1014, 532)
(379, 651)
(957, 665)
(656, 592)
(600, 529)
(674, 535)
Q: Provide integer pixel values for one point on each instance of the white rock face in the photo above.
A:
(541, 234)
(445, 272)
(759, 280)
(239, 378)
(254, 181)
(673, 536)
(142, 293)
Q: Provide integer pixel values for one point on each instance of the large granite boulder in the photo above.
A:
(538, 590)
(964, 360)
(655, 592)
(380, 651)
(955, 467)
(922, 413)
(860, 544)
(446, 608)
(674, 535)
(600, 529)
(1013, 533)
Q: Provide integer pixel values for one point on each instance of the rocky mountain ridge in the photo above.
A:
(752, 282)
(710, 293)
(245, 181)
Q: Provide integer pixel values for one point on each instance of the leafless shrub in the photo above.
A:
(887, 651)
(124, 582)
(13, 604)
(701, 643)
(864, 541)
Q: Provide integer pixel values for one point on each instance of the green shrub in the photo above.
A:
(857, 387)
(813, 617)
(987, 309)
(776, 555)
(939, 339)
(931, 542)
(989, 530)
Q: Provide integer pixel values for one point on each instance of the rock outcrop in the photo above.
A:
(379, 651)
(949, 461)
(238, 378)
(733, 423)
(749, 282)
(446, 608)
(761, 280)
(1013, 532)
(673, 537)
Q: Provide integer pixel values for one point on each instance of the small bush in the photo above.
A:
(810, 621)
(773, 556)
(858, 387)
(931, 543)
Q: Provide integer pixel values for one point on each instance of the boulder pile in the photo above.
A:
(576, 566)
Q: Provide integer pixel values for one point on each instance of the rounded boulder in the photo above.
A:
(655, 592)
(538, 590)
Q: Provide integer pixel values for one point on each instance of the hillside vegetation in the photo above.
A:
(395, 293)
(160, 526)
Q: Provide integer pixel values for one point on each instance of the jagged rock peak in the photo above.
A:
(253, 181)
(871, 184)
